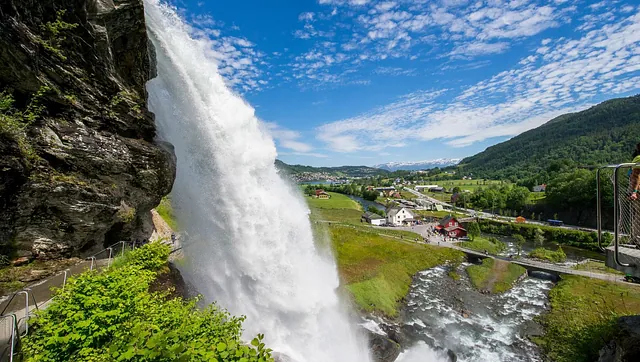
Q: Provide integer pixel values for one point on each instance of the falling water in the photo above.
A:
(250, 245)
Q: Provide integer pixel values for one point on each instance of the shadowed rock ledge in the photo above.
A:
(79, 167)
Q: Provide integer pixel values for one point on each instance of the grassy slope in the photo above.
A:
(165, 210)
(582, 317)
(339, 208)
(377, 270)
(496, 276)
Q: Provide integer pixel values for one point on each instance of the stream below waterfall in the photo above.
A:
(443, 314)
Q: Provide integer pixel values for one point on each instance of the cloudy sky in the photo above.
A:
(364, 82)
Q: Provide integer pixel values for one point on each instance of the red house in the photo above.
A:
(449, 226)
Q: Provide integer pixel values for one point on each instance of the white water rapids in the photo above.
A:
(250, 245)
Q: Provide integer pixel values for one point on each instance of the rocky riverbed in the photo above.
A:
(447, 320)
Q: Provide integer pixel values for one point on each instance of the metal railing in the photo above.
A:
(617, 208)
(13, 304)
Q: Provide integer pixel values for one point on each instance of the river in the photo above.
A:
(574, 255)
(492, 327)
(366, 203)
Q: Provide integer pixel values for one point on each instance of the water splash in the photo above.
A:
(250, 247)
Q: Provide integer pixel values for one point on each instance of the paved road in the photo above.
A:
(490, 216)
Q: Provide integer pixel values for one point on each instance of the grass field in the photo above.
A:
(495, 276)
(378, 270)
(582, 317)
(339, 208)
(482, 244)
(596, 267)
(470, 185)
(337, 201)
(407, 195)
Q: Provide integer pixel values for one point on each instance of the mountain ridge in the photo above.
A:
(418, 165)
(604, 133)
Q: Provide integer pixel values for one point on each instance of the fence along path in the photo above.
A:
(17, 308)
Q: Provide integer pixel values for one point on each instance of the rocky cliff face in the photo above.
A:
(79, 167)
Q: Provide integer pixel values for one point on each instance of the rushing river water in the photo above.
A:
(443, 314)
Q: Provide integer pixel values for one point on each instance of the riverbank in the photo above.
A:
(378, 270)
(583, 316)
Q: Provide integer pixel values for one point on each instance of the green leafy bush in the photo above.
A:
(112, 316)
(557, 256)
(577, 238)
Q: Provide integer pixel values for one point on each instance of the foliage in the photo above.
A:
(165, 210)
(557, 256)
(538, 237)
(495, 276)
(15, 122)
(490, 245)
(112, 316)
(582, 317)
(519, 241)
(54, 34)
(473, 230)
(377, 270)
(351, 171)
(126, 214)
(375, 210)
(581, 239)
(606, 133)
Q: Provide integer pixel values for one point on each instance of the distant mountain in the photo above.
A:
(605, 133)
(341, 171)
(418, 165)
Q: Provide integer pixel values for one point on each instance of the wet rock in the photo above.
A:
(625, 346)
(382, 348)
(20, 261)
(531, 328)
(34, 275)
(85, 170)
(452, 356)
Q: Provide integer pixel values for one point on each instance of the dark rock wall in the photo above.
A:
(79, 167)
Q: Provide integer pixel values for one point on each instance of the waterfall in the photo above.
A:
(250, 245)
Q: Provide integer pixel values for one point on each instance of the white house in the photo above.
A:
(397, 215)
(374, 219)
(420, 188)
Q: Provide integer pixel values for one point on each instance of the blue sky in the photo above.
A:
(362, 82)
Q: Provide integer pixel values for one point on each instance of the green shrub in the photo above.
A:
(577, 238)
(112, 316)
(557, 256)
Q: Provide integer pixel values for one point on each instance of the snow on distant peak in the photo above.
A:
(418, 165)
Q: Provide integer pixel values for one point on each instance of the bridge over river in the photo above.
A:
(538, 266)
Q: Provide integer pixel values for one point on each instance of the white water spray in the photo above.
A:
(250, 247)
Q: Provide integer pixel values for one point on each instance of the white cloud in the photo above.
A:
(238, 60)
(287, 138)
(372, 31)
(479, 48)
(565, 77)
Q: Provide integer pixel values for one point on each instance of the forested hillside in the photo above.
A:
(606, 133)
(353, 171)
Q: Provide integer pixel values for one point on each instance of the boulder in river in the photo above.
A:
(382, 348)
